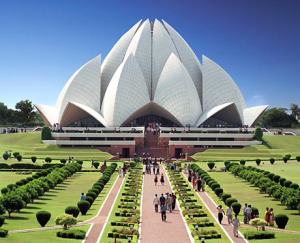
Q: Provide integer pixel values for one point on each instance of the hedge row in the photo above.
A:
(216, 187)
(94, 192)
(17, 198)
(286, 192)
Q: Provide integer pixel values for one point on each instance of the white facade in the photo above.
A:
(151, 70)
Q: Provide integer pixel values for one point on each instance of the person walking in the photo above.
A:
(155, 180)
(267, 215)
(162, 180)
(220, 213)
(244, 213)
(229, 214)
(174, 201)
(163, 210)
(155, 202)
(169, 203)
(272, 216)
(236, 224)
(162, 199)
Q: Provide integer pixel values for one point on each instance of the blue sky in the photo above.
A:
(42, 43)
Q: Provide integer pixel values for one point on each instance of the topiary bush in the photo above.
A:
(72, 210)
(218, 191)
(230, 201)
(225, 196)
(272, 161)
(3, 233)
(242, 162)
(287, 183)
(83, 206)
(71, 234)
(19, 157)
(2, 219)
(96, 164)
(33, 159)
(236, 207)
(281, 220)
(258, 161)
(46, 134)
(43, 217)
(5, 156)
(211, 165)
(48, 159)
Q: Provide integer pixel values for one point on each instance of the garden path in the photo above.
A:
(212, 208)
(152, 227)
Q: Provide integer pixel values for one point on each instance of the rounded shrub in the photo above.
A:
(276, 178)
(48, 159)
(15, 154)
(272, 161)
(230, 201)
(43, 217)
(215, 185)
(218, 191)
(281, 220)
(5, 156)
(2, 219)
(83, 206)
(281, 181)
(211, 165)
(287, 183)
(225, 196)
(294, 186)
(258, 161)
(33, 159)
(72, 210)
(19, 157)
(96, 164)
(242, 162)
(236, 207)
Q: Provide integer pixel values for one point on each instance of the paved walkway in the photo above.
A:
(152, 227)
(212, 208)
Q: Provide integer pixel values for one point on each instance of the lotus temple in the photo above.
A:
(151, 76)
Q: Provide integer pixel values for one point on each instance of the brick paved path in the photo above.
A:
(212, 207)
(152, 227)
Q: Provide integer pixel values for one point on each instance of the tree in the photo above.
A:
(295, 111)
(26, 110)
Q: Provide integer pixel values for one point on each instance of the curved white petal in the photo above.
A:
(115, 57)
(252, 114)
(219, 88)
(226, 112)
(126, 93)
(187, 57)
(140, 47)
(162, 47)
(75, 111)
(177, 93)
(83, 87)
(48, 113)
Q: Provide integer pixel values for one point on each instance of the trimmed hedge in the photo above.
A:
(71, 234)
(251, 235)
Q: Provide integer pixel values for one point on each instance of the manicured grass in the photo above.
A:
(279, 237)
(29, 144)
(244, 192)
(47, 236)
(55, 201)
(11, 178)
(273, 146)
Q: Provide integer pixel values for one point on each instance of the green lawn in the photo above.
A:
(244, 192)
(11, 178)
(56, 200)
(29, 144)
(48, 236)
(274, 146)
